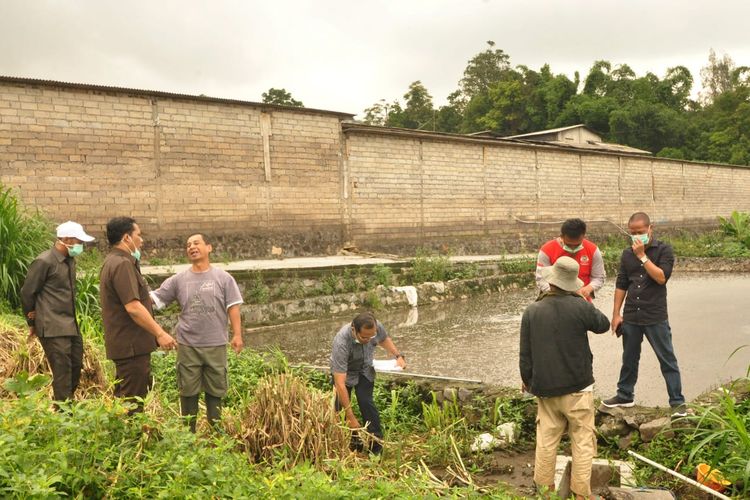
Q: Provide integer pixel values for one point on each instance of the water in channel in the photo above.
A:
(477, 338)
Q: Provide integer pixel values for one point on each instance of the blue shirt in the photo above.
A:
(355, 359)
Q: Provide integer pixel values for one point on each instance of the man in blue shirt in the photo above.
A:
(351, 366)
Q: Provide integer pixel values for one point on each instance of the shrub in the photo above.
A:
(290, 421)
(257, 292)
(24, 235)
(737, 225)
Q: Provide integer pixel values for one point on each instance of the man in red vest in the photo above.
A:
(572, 243)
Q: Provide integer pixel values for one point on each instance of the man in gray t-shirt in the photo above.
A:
(208, 298)
(351, 366)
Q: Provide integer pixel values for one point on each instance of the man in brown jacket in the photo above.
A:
(130, 332)
(48, 298)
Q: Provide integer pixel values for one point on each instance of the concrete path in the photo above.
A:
(333, 261)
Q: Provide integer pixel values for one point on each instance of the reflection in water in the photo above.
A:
(477, 338)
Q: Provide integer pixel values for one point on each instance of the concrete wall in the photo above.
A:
(301, 179)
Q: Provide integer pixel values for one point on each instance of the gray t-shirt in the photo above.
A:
(350, 357)
(204, 299)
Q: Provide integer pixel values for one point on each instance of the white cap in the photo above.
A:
(72, 229)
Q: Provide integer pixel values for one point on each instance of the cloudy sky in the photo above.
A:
(344, 55)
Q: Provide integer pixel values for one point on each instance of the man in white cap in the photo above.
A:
(556, 366)
(48, 298)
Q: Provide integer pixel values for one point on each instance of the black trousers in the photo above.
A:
(363, 389)
(133, 378)
(65, 358)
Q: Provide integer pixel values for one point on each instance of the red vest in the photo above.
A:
(584, 257)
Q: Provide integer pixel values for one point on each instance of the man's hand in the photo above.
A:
(400, 361)
(615, 324)
(352, 421)
(32, 332)
(166, 341)
(586, 291)
(237, 343)
(639, 249)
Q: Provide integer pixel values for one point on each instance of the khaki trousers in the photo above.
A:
(576, 413)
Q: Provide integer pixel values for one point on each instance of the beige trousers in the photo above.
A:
(576, 413)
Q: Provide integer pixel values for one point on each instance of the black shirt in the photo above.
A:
(646, 300)
(49, 290)
(554, 355)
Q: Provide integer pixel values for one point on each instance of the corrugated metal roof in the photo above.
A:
(550, 131)
(171, 95)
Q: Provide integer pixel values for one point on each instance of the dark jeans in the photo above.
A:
(659, 336)
(65, 358)
(367, 408)
(133, 378)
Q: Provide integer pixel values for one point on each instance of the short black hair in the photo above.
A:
(118, 227)
(640, 216)
(573, 228)
(363, 320)
(202, 235)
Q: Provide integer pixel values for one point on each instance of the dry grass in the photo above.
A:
(290, 421)
(19, 353)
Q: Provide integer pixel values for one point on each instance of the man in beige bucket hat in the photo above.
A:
(555, 361)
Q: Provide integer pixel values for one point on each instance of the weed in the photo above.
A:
(372, 301)
(256, 291)
(381, 275)
(24, 235)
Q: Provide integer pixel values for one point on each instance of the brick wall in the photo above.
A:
(431, 188)
(180, 163)
(174, 164)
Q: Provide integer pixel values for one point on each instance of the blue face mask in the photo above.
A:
(640, 237)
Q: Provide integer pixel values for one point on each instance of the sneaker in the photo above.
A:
(679, 411)
(618, 401)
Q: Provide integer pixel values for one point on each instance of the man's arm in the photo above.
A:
(598, 273)
(32, 285)
(165, 294)
(619, 299)
(652, 268)
(143, 318)
(235, 322)
(524, 353)
(339, 385)
(389, 346)
(542, 260)
(598, 322)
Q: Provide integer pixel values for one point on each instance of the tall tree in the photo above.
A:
(282, 97)
(716, 77)
(419, 112)
(483, 70)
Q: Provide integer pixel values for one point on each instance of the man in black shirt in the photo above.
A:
(641, 283)
(49, 304)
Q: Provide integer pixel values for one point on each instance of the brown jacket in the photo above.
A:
(49, 290)
(121, 282)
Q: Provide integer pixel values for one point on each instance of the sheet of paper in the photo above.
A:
(385, 365)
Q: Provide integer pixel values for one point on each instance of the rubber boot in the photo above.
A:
(213, 410)
(189, 410)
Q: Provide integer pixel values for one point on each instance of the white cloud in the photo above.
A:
(345, 55)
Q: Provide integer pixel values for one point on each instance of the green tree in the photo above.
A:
(419, 112)
(281, 97)
(483, 70)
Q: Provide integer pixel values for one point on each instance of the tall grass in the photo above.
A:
(23, 235)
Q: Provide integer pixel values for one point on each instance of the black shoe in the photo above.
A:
(616, 401)
(679, 411)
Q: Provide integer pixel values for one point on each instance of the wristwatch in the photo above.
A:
(644, 259)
